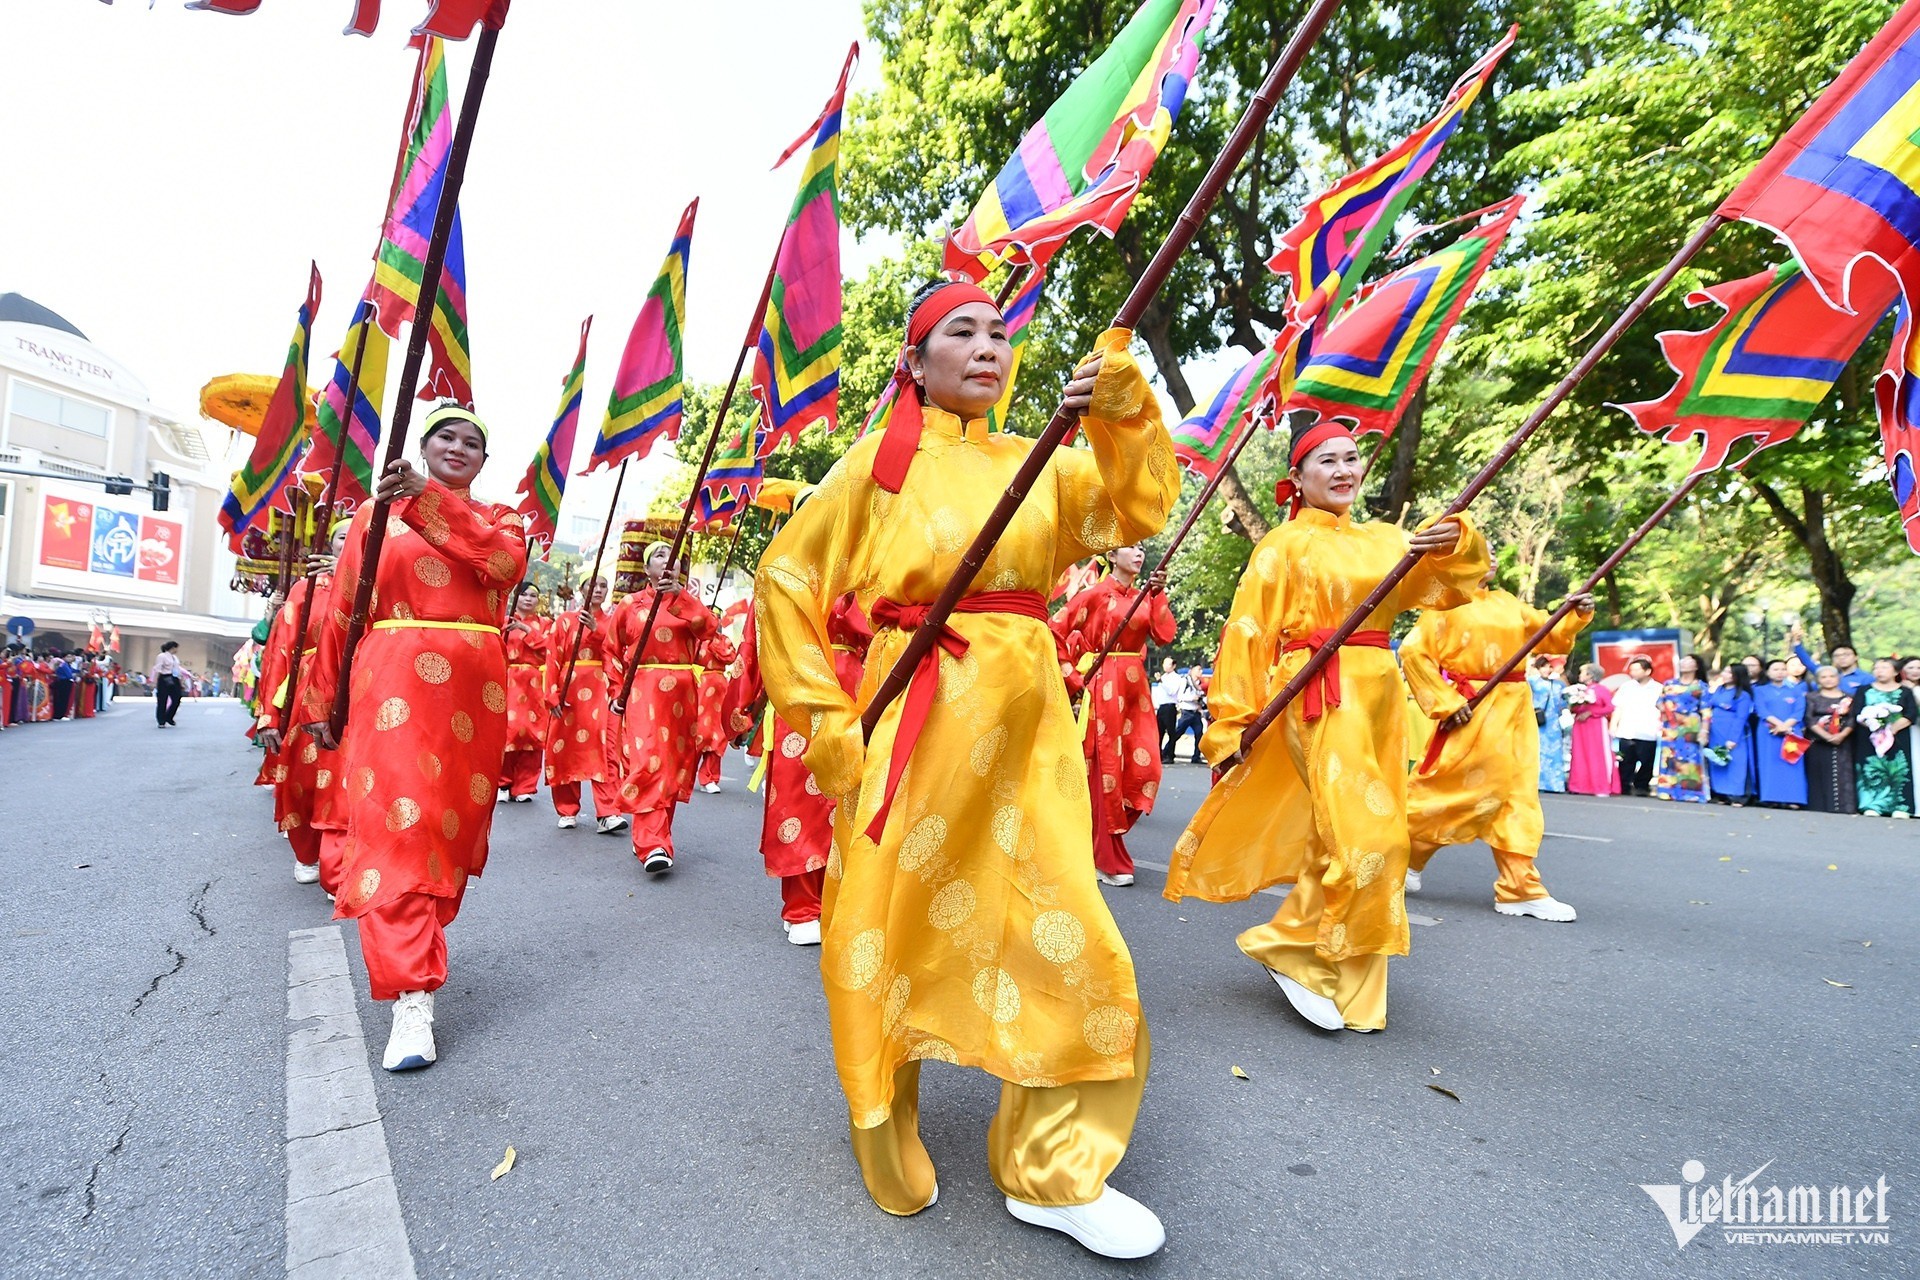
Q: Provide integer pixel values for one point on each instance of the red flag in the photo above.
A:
(451, 19)
(236, 7)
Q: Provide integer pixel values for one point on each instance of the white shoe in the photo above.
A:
(505, 796)
(613, 822)
(1317, 1009)
(603, 825)
(1899, 813)
(526, 799)
(804, 934)
(1120, 881)
(1114, 1226)
(568, 822)
(712, 788)
(304, 874)
(410, 1046)
(1548, 908)
(1413, 881)
(657, 861)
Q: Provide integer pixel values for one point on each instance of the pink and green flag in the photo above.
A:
(646, 405)
(283, 431)
(546, 479)
(733, 477)
(1202, 441)
(400, 262)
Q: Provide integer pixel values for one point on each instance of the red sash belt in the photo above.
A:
(925, 682)
(1323, 691)
(1465, 684)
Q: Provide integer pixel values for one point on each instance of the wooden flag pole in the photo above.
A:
(1239, 142)
(1378, 596)
(733, 545)
(428, 299)
(586, 590)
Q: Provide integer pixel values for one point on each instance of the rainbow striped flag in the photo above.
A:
(1019, 313)
(1345, 227)
(283, 431)
(733, 477)
(796, 358)
(646, 404)
(361, 428)
(1370, 361)
(401, 259)
(546, 479)
(1201, 442)
(1088, 156)
(450, 370)
(1896, 394)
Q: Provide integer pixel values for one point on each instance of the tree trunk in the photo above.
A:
(1397, 491)
(1830, 576)
(1615, 617)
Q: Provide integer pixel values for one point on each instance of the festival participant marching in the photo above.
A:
(1321, 805)
(582, 735)
(527, 721)
(659, 741)
(428, 721)
(1122, 737)
(962, 922)
(716, 655)
(1482, 780)
(796, 833)
(276, 653)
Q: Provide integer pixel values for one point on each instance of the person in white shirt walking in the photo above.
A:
(1166, 690)
(1636, 723)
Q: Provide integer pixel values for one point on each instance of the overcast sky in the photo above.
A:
(168, 175)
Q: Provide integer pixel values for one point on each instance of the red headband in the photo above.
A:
(901, 439)
(1287, 493)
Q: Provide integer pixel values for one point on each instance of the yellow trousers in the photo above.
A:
(1051, 1146)
(1286, 944)
(1518, 881)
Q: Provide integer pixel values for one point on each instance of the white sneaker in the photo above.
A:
(1317, 1009)
(712, 788)
(1120, 881)
(410, 1046)
(603, 825)
(304, 874)
(1413, 881)
(1114, 1226)
(657, 861)
(568, 822)
(526, 799)
(1548, 908)
(804, 934)
(505, 796)
(1899, 813)
(613, 822)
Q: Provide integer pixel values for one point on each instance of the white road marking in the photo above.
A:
(343, 1208)
(1281, 890)
(1567, 835)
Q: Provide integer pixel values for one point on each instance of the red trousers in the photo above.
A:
(566, 798)
(404, 943)
(708, 769)
(330, 842)
(520, 773)
(800, 895)
(306, 844)
(653, 830)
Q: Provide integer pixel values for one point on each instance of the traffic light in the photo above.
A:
(162, 490)
(119, 486)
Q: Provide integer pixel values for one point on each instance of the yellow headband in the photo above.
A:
(441, 414)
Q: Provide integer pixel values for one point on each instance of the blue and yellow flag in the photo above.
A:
(283, 431)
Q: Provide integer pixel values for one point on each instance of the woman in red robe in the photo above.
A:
(275, 653)
(307, 770)
(526, 641)
(1122, 736)
(659, 744)
(716, 655)
(577, 725)
(428, 724)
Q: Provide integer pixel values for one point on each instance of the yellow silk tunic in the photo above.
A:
(975, 931)
(1486, 784)
(1325, 797)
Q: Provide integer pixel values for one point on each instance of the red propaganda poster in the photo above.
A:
(158, 557)
(66, 528)
(1612, 650)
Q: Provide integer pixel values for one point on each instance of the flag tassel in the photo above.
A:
(1504, 454)
(579, 632)
(1259, 110)
(443, 216)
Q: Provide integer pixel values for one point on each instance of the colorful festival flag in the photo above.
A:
(401, 260)
(1088, 156)
(1201, 442)
(646, 404)
(450, 369)
(453, 19)
(546, 480)
(1019, 313)
(1343, 229)
(1371, 360)
(1896, 394)
(796, 358)
(283, 431)
(734, 476)
(362, 426)
(1761, 370)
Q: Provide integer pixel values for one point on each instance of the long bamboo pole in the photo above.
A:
(1239, 142)
(1378, 596)
(586, 598)
(733, 545)
(430, 271)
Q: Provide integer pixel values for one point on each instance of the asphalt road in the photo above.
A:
(1739, 989)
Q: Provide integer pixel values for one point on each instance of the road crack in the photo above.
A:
(93, 1176)
(179, 963)
(198, 910)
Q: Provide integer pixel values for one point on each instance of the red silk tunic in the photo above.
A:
(716, 655)
(526, 683)
(274, 657)
(307, 771)
(659, 747)
(428, 722)
(1122, 741)
(576, 750)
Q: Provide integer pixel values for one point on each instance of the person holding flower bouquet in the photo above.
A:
(1885, 768)
(1590, 770)
(1830, 724)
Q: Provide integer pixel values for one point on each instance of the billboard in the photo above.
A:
(108, 546)
(1612, 650)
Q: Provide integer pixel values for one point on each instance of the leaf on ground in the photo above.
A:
(1696, 902)
(1444, 1092)
(1867, 943)
(1831, 866)
(1830, 982)
(1435, 1070)
(506, 1163)
(1728, 858)
(1238, 1074)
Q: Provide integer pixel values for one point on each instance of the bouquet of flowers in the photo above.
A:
(1876, 718)
(1719, 757)
(1579, 695)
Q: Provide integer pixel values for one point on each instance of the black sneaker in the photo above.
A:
(657, 862)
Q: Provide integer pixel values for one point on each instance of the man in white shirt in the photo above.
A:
(1636, 723)
(1189, 702)
(1166, 691)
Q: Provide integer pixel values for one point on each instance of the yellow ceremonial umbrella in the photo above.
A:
(780, 494)
(240, 400)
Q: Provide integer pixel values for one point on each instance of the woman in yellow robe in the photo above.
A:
(1320, 802)
(962, 921)
(1483, 781)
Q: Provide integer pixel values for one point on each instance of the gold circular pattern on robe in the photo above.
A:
(1186, 846)
(664, 635)
(789, 831)
(896, 1004)
(1379, 798)
(945, 534)
(430, 765)
(369, 884)
(1339, 938)
(933, 1048)
(813, 785)
(579, 735)
(480, 788)
(493, 697)
(392, 714)
(998, 996)
(1007, 821)
(449, 824)
(502, 565)
(923, 843)
(792, 746)
(362, 782)
(957, 675)
(986, 749)
(1110, 1029)
(433, 668)
(433, 571)
(667, 682)
(1106, 690)
(323, 779)
(1133, 675)
(1333, 768)
(1475, 777)
(1059, 936)
(1368, 869)
(861, 964)
(1066, 776)
(951, 906)
(1142, 757)
(463, 726)
(402, 814)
